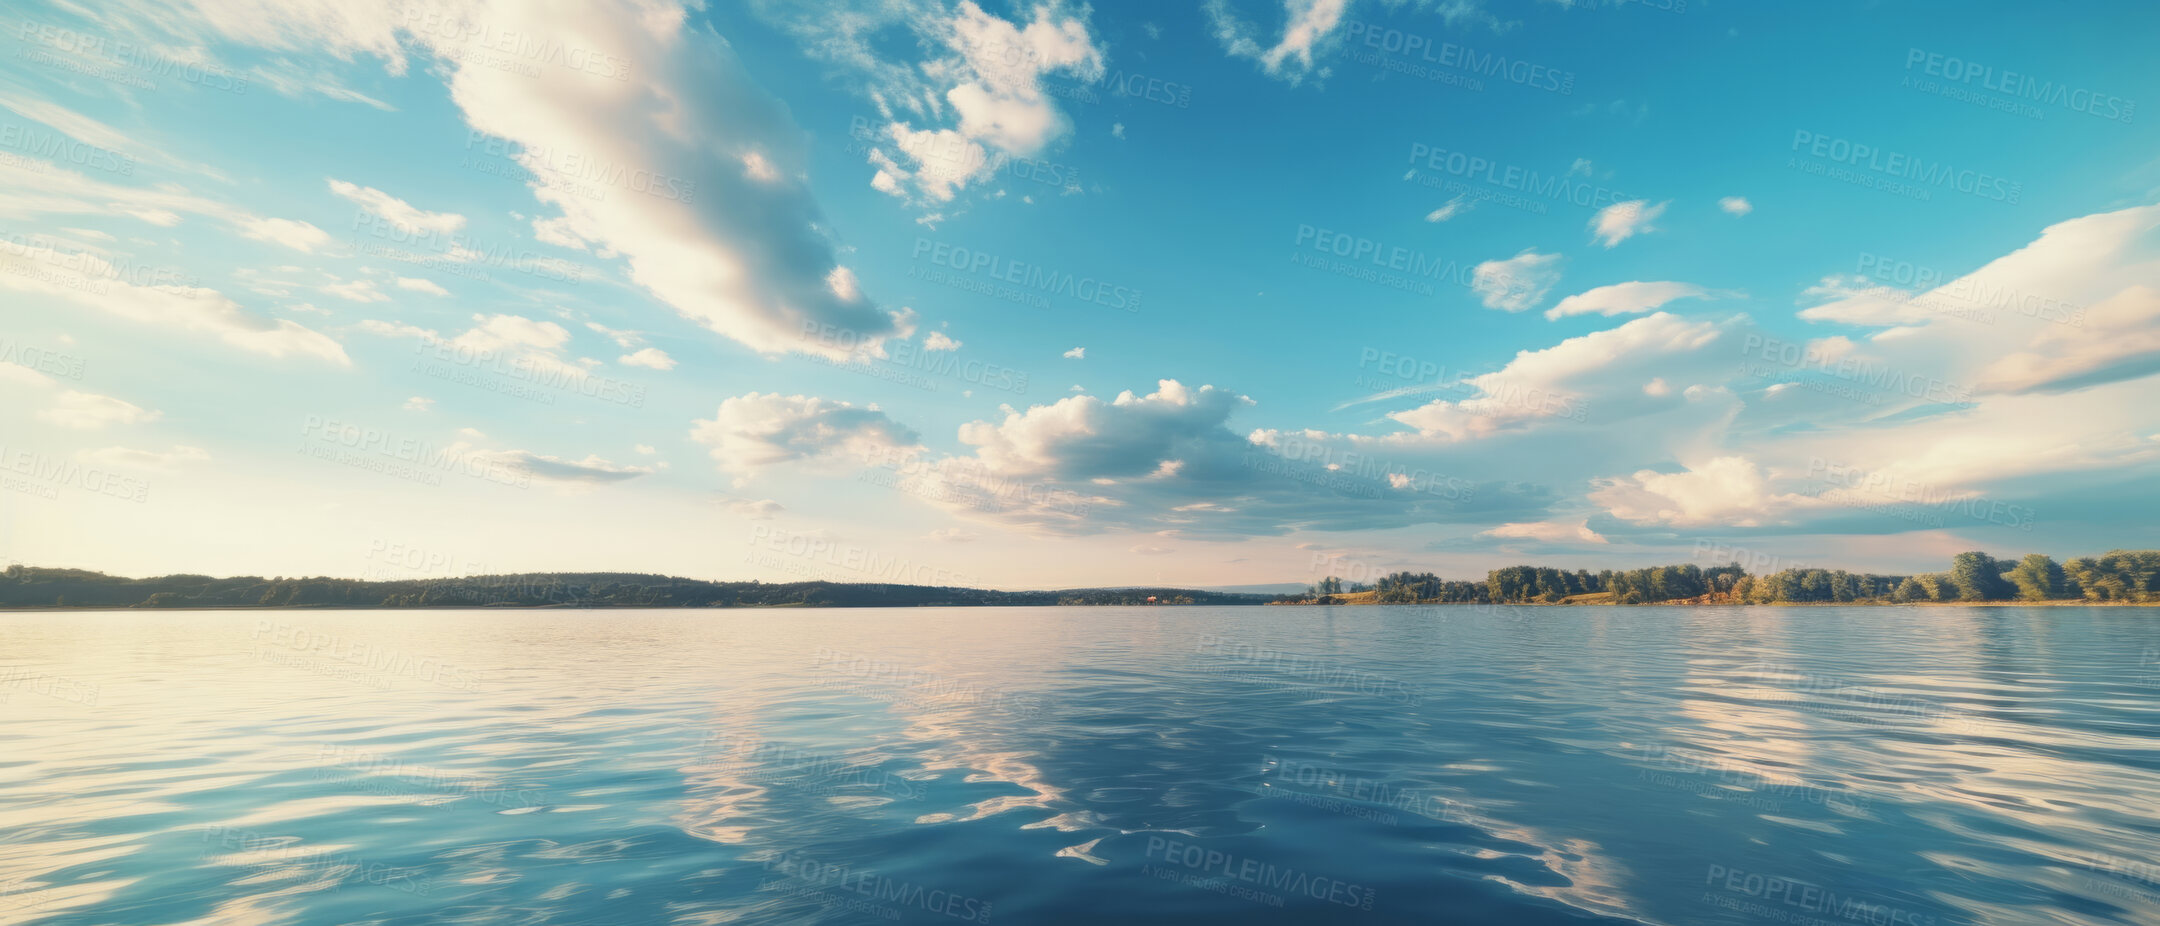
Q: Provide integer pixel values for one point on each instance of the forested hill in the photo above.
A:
(33, 587)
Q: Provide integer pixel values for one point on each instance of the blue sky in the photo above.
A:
(1031, 295)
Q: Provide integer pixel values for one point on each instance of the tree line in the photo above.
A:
(36, 587)
(2117, 576)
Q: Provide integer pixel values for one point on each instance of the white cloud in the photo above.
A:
(514, 341)
(1727, 491)
(1517, 283)
(559, 232)
(73, 409)
(1625, 298)
(145, 459)
(355, 290)
(1547, 531)
(419, 404)
(763, 509)
(187, 307)
(421, 286)
(520, 342)
(32, 187)
(625, 339)
(733, 249)
(1004, 105)
(1307, 25)
(937, 340)
(2076, 307)
(1077, 353)
(1736, 205)
(20, 375)
(1451, 209)
(128, 145)
(1169, 461)
(1621, 221)
(377, 326)
(398, 212)
(950, 121)
(754, 431)
(84, 411)
(650, 357)
(286, 80)
(2120, 338)
(299, 236)
(570, 474)
(1563, 382)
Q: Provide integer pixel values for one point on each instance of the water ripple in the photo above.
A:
(1553, 765)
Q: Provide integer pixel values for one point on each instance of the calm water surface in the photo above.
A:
(986, 765)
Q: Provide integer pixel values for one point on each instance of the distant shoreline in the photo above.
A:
(1975, 579)
(2053, 603)
(32, 588)
(2059, 603)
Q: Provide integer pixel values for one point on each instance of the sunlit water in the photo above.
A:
(1453, 765)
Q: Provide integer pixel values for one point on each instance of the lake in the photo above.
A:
(1875, 765)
